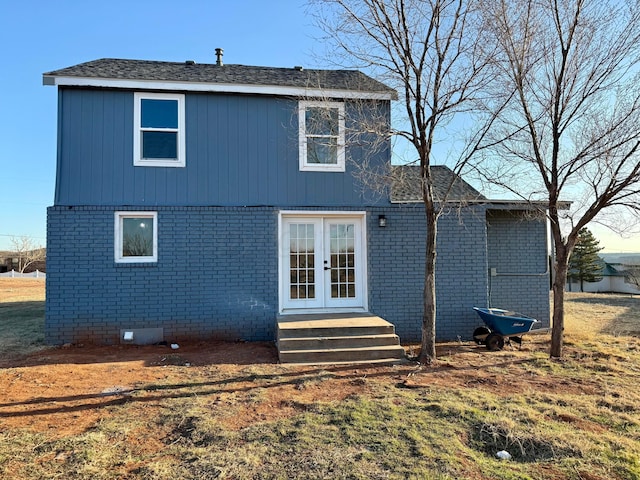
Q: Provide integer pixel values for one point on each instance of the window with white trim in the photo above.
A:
(158, 137)
(136, 237)
(321, 136)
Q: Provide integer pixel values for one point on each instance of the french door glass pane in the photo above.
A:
(302, 260)
(342, 241)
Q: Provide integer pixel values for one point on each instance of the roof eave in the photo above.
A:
(562, 205)
(159, 85)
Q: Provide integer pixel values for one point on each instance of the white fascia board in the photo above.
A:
(215, 87)
(562, 204)
(322, 213)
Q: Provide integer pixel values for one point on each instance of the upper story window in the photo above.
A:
(158, 137)
(136, 237)
(321, 136)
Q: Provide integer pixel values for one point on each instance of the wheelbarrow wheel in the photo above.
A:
(480, 335)
(494, 342)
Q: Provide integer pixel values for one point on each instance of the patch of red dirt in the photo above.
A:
(64, 391)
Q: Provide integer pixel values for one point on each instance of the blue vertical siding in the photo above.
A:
(240, 150)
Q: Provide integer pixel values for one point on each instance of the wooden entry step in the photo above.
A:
(337, 339)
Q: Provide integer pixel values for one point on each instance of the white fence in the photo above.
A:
(14, 274)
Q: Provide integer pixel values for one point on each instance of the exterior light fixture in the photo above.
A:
(382, 221)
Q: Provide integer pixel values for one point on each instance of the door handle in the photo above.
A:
(327, 268)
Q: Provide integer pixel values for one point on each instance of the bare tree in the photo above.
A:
(27, 251)
(432, 53)
(573, 123)
(632, 275)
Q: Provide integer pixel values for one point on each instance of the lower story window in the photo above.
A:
(136, 237)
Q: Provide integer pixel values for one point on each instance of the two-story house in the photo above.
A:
(209, 200)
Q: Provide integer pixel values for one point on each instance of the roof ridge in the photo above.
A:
(120, 71)
(195, 62)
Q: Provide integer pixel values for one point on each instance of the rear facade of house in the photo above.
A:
(202, 201)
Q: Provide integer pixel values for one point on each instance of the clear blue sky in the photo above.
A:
(39, 36)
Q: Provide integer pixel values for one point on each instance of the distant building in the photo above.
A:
(615, 275)
(11, 261)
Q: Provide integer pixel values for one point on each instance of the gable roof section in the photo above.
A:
(621, 259)
(191, 76)
(406, 185)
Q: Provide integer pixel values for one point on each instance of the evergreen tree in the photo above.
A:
(585, 265)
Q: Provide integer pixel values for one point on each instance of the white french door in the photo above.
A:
(322, 262)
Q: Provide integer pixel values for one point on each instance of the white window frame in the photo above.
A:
(339, 166)
(138, 160)
(118, 232)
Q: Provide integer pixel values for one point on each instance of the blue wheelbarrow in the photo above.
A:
(502, 325)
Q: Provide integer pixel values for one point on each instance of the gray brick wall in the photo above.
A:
(216, 276)
(396, 270)
(517, 250)
(217, 272)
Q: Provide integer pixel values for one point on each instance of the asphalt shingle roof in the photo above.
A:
(145, 70)
(406, 185)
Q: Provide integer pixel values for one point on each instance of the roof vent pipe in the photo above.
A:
(219, 53)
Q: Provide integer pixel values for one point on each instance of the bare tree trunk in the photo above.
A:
(574, 115)
(557, 332)
(428, 347)
(434, 54)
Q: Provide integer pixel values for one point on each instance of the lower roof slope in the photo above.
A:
(406, 185)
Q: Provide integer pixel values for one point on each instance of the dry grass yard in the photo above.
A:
(229, 411)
